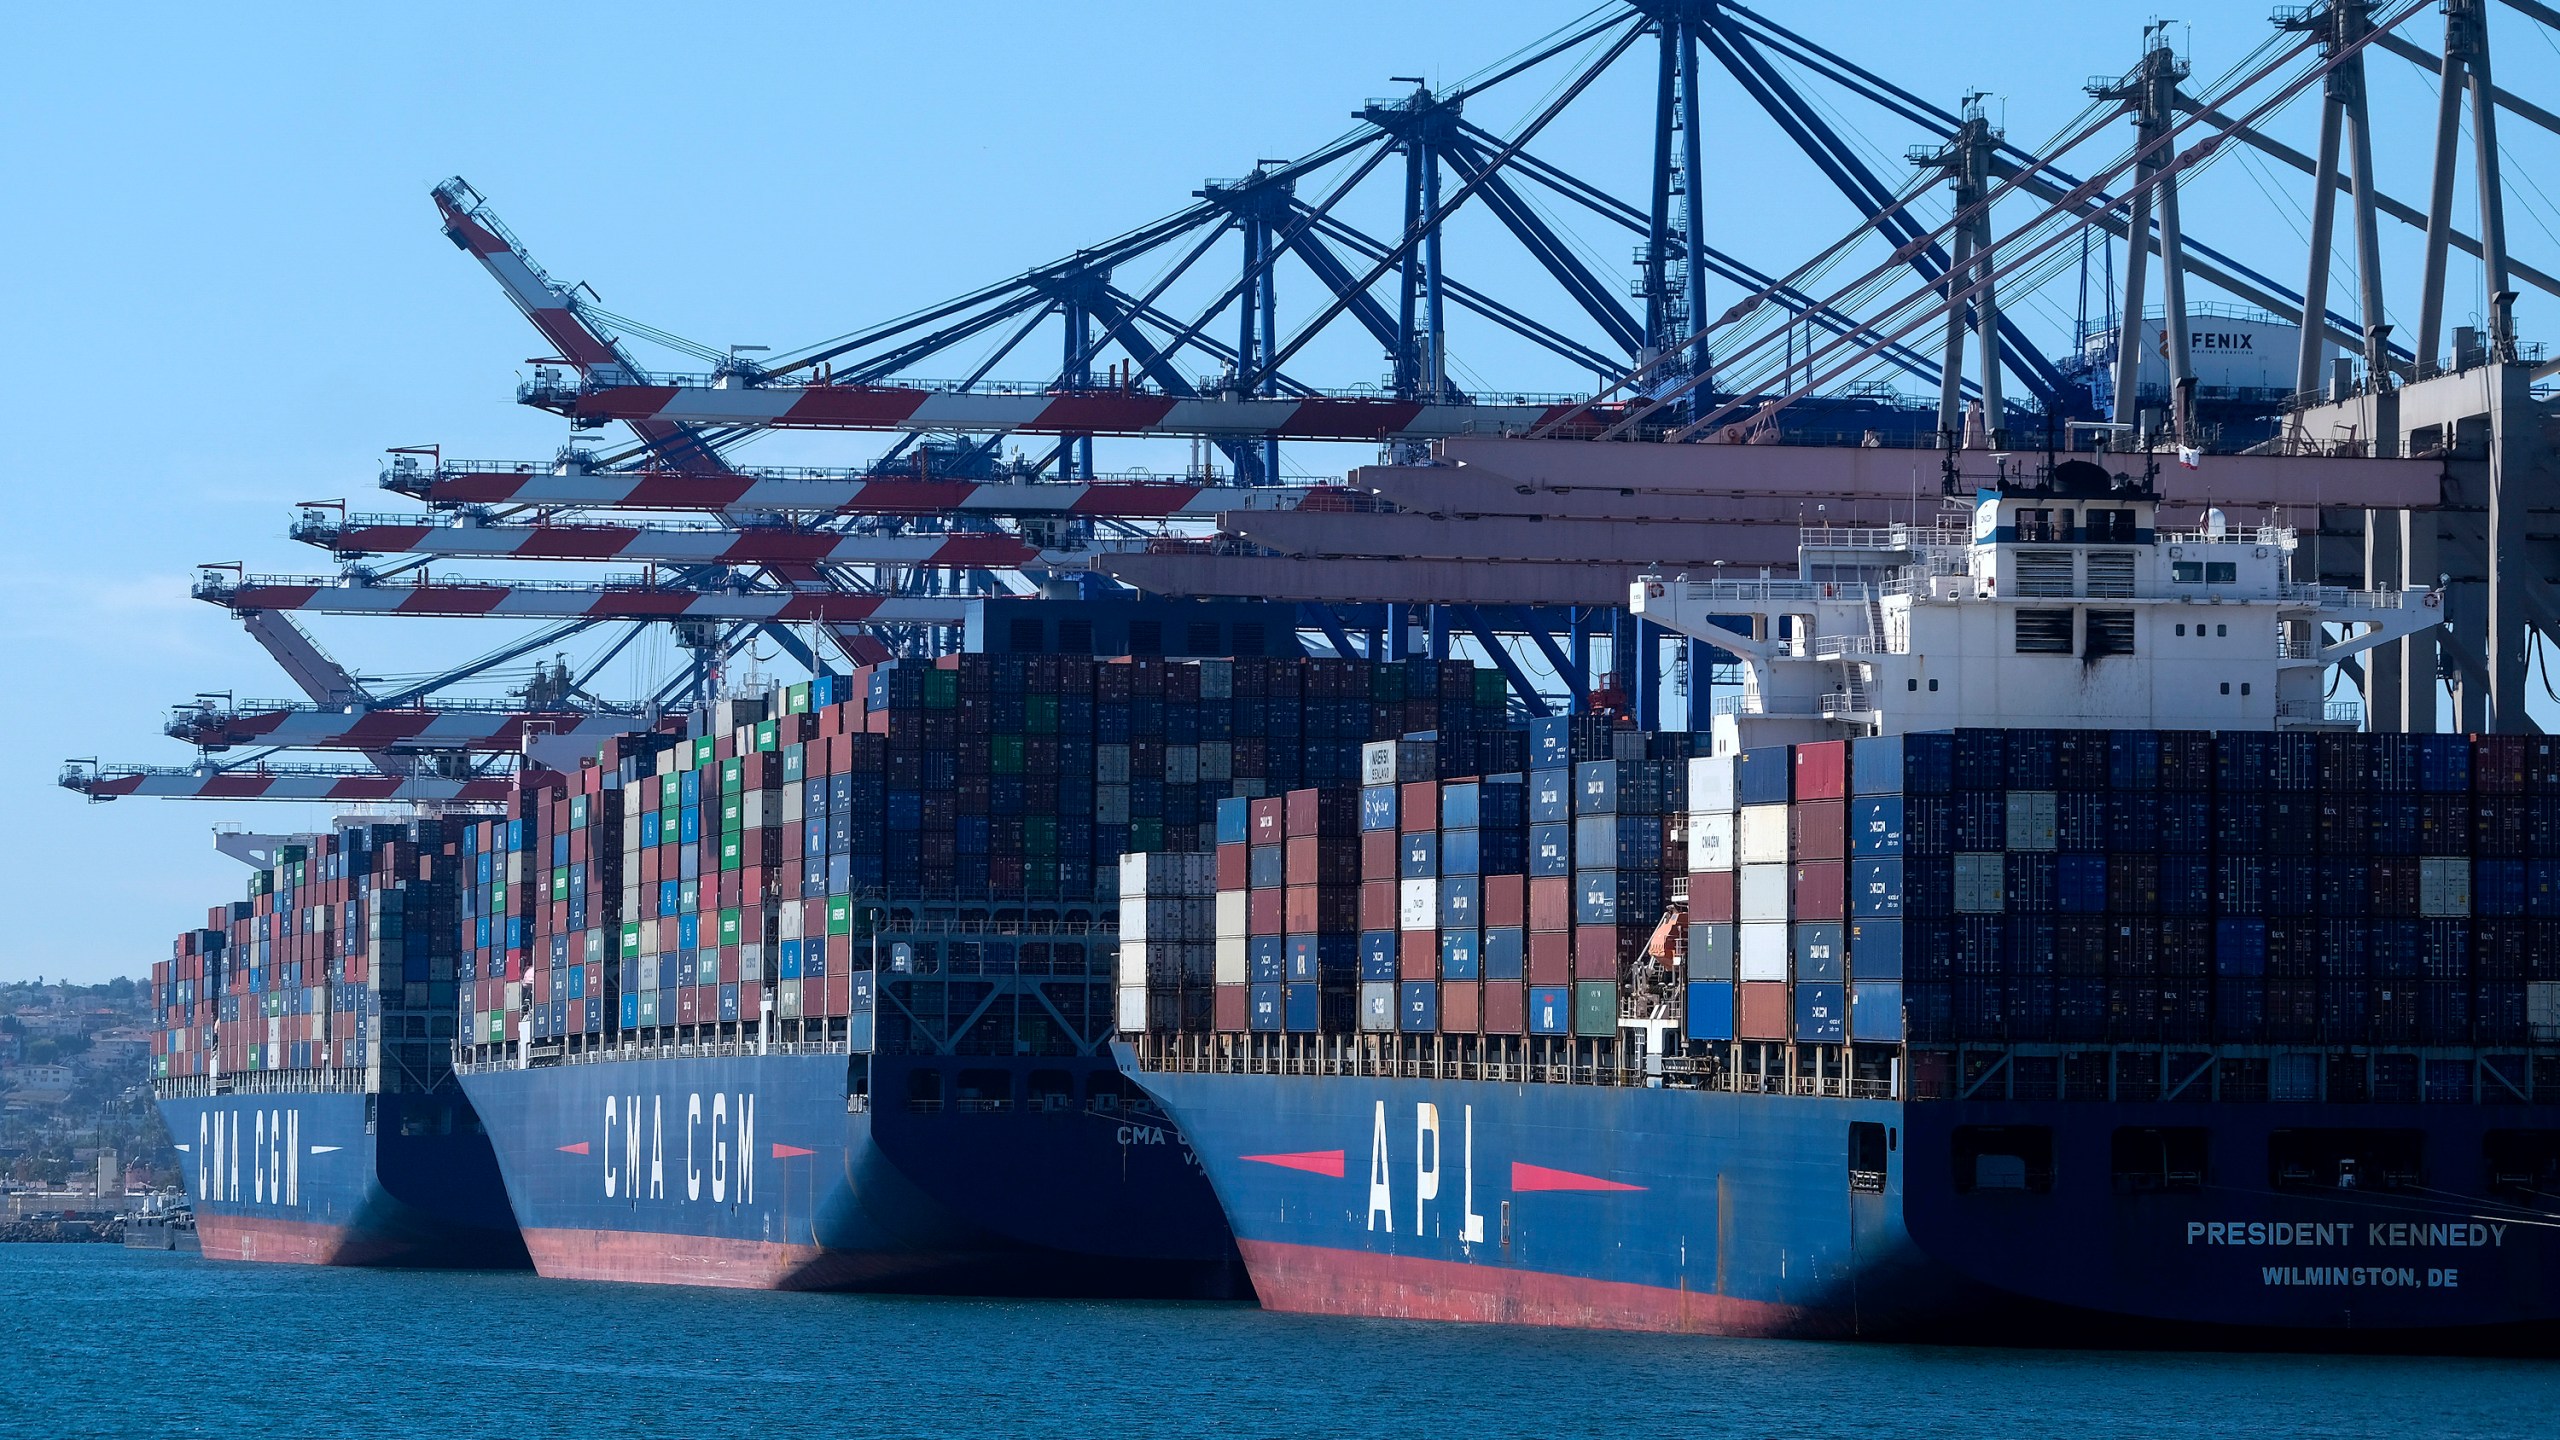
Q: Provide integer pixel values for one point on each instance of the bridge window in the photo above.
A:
(2003, 1157)
(2221, 572)
(2044, 632)
(2344, 1159)
(2150, 1159)
(2110, 527)
(2186, 572)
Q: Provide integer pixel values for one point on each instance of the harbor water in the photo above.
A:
(128, 1343)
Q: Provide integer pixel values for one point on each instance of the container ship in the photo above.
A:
(2033, 953)
(819, 993)
(303, 1063)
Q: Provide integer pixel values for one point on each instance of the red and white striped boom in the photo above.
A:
(837, 492)
(553, 600)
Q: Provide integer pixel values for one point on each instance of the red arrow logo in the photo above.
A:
(578, 1149)
(785, 1152)
(1539, 1177)
(1314, 1162)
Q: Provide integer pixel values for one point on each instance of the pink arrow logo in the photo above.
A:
(1314, 1162)
(1539, 1177)
(785, 1152)
(578, 1149)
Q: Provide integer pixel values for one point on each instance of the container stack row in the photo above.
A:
(1167, 939)
(1438, 900)
(1769, 909)
(2130, 887)
(341, 957)
(737, 877)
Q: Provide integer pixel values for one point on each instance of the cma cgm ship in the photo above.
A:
(303, 1063)
(2037, 954)
(820, 997)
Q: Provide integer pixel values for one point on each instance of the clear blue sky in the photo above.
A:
(226, 291)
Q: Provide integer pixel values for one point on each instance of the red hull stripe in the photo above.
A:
(578, 1149)
(1314, 1162)
(785, 1152)
(1538, 1177)
(289, 1242)
(1311, 1280)
(647, 1258)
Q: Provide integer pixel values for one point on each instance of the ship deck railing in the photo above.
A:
(1518, 1060)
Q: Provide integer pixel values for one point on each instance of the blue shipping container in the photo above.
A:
(1550, 1009)
(1505, 953)
(1267, 960)
(1822, 1012)
(1377, 954)
(1459, 959)
(1875, 1011)
(1710, 1010)
(1763, 775)
(1875, 825)
(1377, 808)
(1418, 1007)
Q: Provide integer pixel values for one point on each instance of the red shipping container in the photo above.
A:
(1597, 950)
(1711, 897)
(1418, 955)
(751, 1001)
(1299, 810)
(1506, 1007)
(1460, 1002)
(1550, 957)
(839, 993)
(1822, 770)
(1506, 900)
(684, 1003)
(1764, 1010)
(1378, 905)
(1819, 890)
(1551, 902)
(1264, 820)
(1264, 914)
(1418, 806)
(1303, 862)
(1228, 1006)
(1235, 864)
(1822, 830)
(1303, 910)
(1378, 857)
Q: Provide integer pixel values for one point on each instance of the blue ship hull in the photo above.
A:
(340, 1178)
(1739, 1214)
(775, 1172)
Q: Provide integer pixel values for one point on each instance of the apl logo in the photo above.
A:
(716, 1152)
(265, 1170)
(1428, 1156)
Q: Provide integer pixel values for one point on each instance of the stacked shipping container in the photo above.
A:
(700, 881)
(341, 959)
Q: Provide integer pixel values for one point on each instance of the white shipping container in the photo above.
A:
(1235, 959)
(1378, 764)
(1378, 1005)
(2444, 886)
(2542, 1009)
(631, 831)
(1760, 836)
(1762, 893)
(1981, 884)
(794, 802)
(1418, 905)
(1234, 915)
(1710, 843)
(1133, 1010)
(1710, 784)
(2032, 823)
(758, 811)
(1167, 872)
(1763, 951)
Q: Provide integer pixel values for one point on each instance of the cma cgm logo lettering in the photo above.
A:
(1429, 1167)
(714, 1155)
(262, 1166)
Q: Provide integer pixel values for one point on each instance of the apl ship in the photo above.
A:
(820, 997)
(2038, 954)
(303, 1064)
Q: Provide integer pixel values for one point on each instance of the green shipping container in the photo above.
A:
(1005, 754)
(1595, 1007)
(733, 775)
(941, 689)
(729, 927)
(631, 939)
(795, 763)
(768, 735)
(839, 914)
(795, 699)
(1040, 714)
